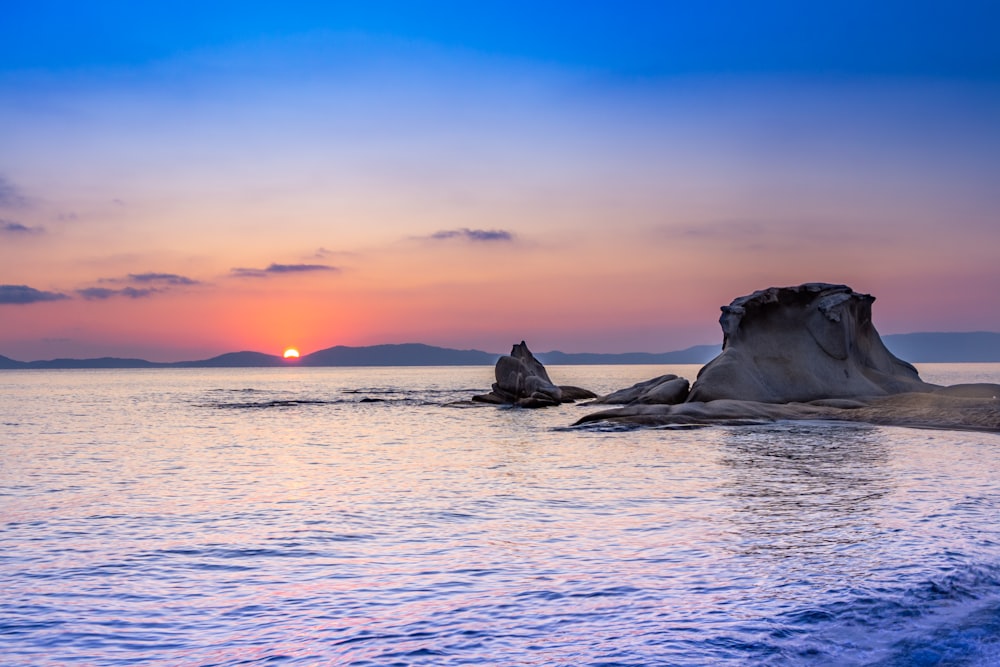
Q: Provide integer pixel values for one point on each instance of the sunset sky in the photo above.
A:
(179, 180)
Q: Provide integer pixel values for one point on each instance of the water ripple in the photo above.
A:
(298, 525)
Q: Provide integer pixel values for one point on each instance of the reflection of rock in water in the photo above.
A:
(805, 488)
(811, 352)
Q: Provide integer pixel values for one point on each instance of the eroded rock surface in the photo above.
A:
(522, 380)
(811, 352)
(803, 343)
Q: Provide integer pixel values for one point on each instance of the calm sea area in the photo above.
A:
(348, 516)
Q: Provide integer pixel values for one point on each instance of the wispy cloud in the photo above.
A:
(768, 234)
(299, 268)
(102, 293)
(10, 194)
(475, 235)
(716, 229)
(162, 278)
(277, 269)
(16, 228)
(22, 294)
(137, 286)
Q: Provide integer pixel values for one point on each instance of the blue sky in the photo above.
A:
(587, 176)
(626, 39)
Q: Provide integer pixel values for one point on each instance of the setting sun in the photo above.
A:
(291, 353)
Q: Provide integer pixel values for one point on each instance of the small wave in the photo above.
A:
(396, 390)
(245, 390)
(374, 390)
(264, 405)
(968, 637)
(354, 397)
(599, 427)
(954, 619)
(227, 553)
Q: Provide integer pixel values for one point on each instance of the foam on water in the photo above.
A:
(224, 517)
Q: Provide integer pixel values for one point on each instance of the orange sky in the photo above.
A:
(232, 196)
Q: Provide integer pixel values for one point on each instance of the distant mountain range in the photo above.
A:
(699, 354)
(972, 346)
(979, 346)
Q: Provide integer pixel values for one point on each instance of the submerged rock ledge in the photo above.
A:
(919, 410)
(808, 352)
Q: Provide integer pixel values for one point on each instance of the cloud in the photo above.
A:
(298, 268)
(772, 234)
(326, 253)
(10, 195)
(476, 235)
(22, 294)
(150, 283)
(280, 269)
(102, 293)
(12, 227)
(163, 278)
(723, 229)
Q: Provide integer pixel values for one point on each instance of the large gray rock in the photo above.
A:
(522, 380)
(811, 352)
(803, 343)
(662, 390)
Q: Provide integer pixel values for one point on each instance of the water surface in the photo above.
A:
(348, 516)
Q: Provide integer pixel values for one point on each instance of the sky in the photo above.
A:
(182, 179)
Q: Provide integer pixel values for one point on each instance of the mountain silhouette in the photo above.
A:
(245, 359)
(406, 354)
(699, 354)
(102, 362)
(928, 347)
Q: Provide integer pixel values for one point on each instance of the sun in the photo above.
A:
(291, 353)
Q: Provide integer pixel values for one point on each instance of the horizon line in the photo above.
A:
(294, 361)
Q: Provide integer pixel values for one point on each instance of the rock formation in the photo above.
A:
(811, 352)
(802, 343)
(523, 381)
(662, 390)
(938, 409)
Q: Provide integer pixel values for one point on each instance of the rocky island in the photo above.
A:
(523, 381)
(806, 352)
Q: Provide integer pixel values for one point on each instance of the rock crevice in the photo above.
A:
(803, 343)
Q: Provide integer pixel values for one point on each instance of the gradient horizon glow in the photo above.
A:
(180, 180)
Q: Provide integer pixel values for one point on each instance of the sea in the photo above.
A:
(370, 516)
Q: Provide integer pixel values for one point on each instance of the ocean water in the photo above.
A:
(349, 517)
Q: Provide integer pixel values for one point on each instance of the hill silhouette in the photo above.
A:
(930, 347)
(102, 362)
(7, 362)
(699, 354)
(406, 354)
(245, 359)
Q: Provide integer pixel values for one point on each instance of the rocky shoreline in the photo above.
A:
(804, 352)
